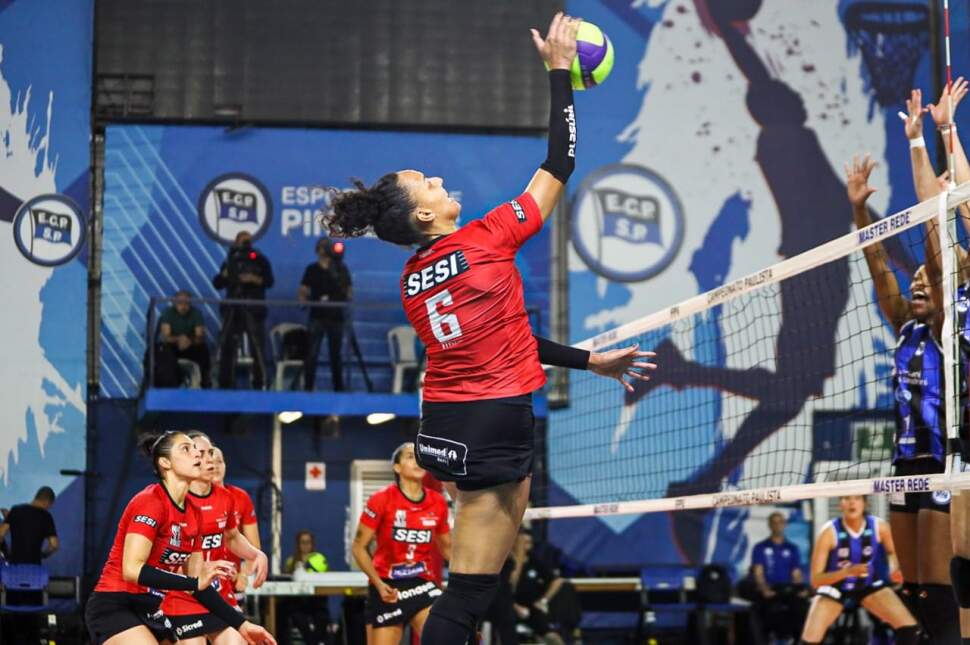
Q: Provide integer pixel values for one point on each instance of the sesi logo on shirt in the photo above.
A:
(431, 276)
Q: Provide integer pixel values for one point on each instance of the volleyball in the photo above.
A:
(594, 57)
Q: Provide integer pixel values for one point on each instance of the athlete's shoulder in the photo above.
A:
(380, 497)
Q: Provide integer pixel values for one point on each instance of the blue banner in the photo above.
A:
(45, 106)
(176, 197)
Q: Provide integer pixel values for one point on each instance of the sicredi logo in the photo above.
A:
(49, 230)
(627, 223)
(233, 203)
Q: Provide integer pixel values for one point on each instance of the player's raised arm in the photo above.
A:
(894, 306)
(558, 50)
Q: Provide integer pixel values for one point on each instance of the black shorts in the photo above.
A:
(477, 444)
(110, 613)
(938, 500)
(414, 594)
(851, 599)
(193, 625)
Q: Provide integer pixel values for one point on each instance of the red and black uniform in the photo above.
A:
(116, 604)
(245, 514)
(463, 294)
(217, 513)
(405, 532)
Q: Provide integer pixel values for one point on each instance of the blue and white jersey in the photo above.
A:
(855, 548)
(918, 387)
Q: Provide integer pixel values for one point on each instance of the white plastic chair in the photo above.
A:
(400, 343)
(276, 335)
(190, 373)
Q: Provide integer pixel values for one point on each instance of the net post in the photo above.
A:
(951, 371)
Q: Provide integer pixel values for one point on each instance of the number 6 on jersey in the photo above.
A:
(440, 322)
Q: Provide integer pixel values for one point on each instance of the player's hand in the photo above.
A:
(941, 111)
(857, 180)
(212, 569)
(913, 119)
(626, 361)
(858, 570)
(896, 577)
(260, 570)
(387, 593)
(256, 635)
(242, 582)
(559, 47)
(768, 592)
(521, 611)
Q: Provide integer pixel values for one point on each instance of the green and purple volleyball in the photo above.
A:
(594, 57)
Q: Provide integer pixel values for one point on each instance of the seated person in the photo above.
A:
(535, 586)
(310, 615)
(181, 331)
(780, 593)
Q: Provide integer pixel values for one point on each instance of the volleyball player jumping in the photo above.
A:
(936, 549)
(219, 538)
(159, 536)
(408, 521)
(920, 521)
(463, 295)
(846, 558)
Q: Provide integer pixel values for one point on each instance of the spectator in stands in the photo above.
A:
(535, 588)
(181, 331)
(780, 596)
(245, 274)
(326, 280)
(310, 616)
(31, 527)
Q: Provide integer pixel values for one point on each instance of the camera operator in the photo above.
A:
(246, 274)
(326, 280)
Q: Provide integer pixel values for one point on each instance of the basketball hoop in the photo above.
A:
(892, 39)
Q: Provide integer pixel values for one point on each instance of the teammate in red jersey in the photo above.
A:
(245, 520)
(463, 295)
(158, 537)
(220, 536)
(409, 523)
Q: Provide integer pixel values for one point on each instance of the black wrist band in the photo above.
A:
(155, 578)
(561, 159)
(551, 353)
(211, 600)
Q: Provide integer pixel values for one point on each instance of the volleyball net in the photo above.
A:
(775, 387)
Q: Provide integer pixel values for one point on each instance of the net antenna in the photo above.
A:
(892, 39)
(838, 441)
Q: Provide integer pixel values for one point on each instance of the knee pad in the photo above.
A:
(805, 642)
(907, 635)
(909, 594)
(938, 609)
(466, 599)
(960, 578)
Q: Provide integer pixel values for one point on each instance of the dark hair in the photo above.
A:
(385, 208)
(299, 536)
(396, 457)
(195, 434)
(156, 446)
(45, 494)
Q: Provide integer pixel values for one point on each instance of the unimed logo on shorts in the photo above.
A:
(446, 454)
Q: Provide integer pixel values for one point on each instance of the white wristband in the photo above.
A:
(918, 142)
(945, 128)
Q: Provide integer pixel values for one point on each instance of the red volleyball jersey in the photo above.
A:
(463, 295)
(174, 533)
(245, 516)
(218, 514)
(405, 531)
